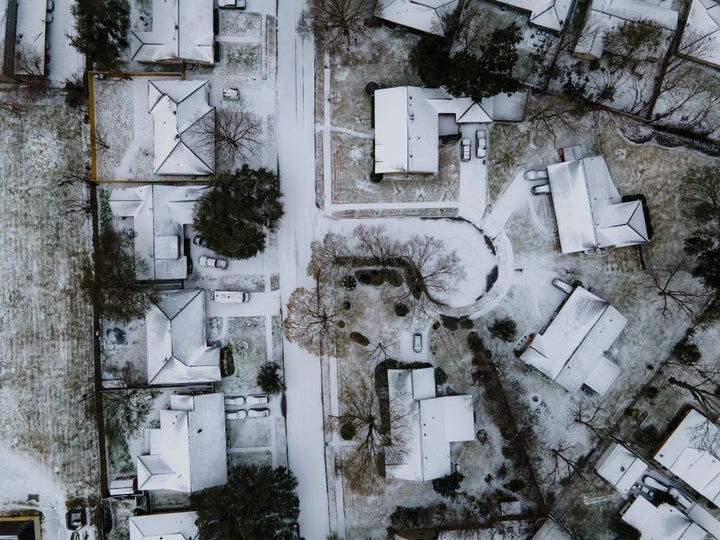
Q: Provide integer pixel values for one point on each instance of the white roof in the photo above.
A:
(173, 526)
(188, 451)
(621, 467)
(663, 522)
(551, 530)
(701, 37)
(182, 30)
(159, 214)
(177, 351)
(691, 453)
(589, 210)
(423, 442)
(572, 345)
(29, 37)
(550, 14)
(424, 15)
(178, 108)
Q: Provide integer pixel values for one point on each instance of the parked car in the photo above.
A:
(49, 17)
(234, 401)
(562, 285)
(232, 4)
(481, 138)
(75, 518)
(236, 415)
(258, 413)
(213, 262)
(257, 399)
(417, 342)
(50, 5)
(465, 149)
(536, 174)
(651, 482)
(542, 189)
(199, 241)
(230, 297)
(679, 497)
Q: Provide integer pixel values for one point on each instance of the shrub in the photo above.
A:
(349, 282)
(269, 380)
(401, 310)
(466, 324)
(360, 339)
(448, 486)
(440, 376)
(663, 497)
(647, 437)
(504, 329)
(686, 352)
(515, 485)
(650, 392)
(625, 531)
(348, 431)
(227, 365)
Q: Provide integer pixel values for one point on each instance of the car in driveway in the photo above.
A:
(465, 149)
(236, 415)
(562, 285)
(258, 413)
(536, 174)
(542, 189)
(481, 141)
(234, 401)
(417, 342)
(232, 4)
(257, 399)
(200, 241)
(230, 297)
(75, 518)
(213, 262)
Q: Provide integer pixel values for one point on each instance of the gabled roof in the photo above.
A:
(188, 452)
(550, 14)
(701, 37)
(178, 109)
(663, 522)
(572, 346)
(177, 351)
(424, 15)
(422, 451)
(171, 526)
(692, 453)
(621, 467)
(181, 30)
(589, 210)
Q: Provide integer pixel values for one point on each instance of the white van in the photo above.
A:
(229, 297)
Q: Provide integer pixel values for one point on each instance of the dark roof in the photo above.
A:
(23, 530)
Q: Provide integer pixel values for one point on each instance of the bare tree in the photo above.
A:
(687, 302)
(315, 322)
(337, 22)
(28, 61)
(701, 185)
(562, 465)
(592, 416)
(232, 132)
(705, 395)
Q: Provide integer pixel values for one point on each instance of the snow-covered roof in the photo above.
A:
(159, 214)
(181, 30)
(604, 15)
(172, 526)
(692, 454)
(621, 467)
(188, 451)
(589, 210)
(664, 522)
(177, 351)
(178, 109)
(422, 449)
(424, 15)
(701, 37)
(30, 37)
(551, 530)
(572, 345)
(507, 529)
(550, 14)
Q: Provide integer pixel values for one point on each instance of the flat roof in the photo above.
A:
(424, 15)
(170, 526)
(701, 36)
(550, 14)
(30, 37)
(663, 522)
(621, 467)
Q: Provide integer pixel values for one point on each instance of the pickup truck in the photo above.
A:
(230, 297)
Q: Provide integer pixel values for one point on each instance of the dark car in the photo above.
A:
(75, 518)
(200, 241)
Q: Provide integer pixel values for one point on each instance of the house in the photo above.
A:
(570, 350)
(20, 528)
(589, 210)
(664, 521)
(621, 468)
(605, 15)
(188, 452)
(409, 120)
(24, 50)
(424, 15)
(177, 350)
(182, 30)
(692, 453)
(548, 14)
(181, 117)
(157, 216)
(701, 36)
(171, 526)
(430, 424)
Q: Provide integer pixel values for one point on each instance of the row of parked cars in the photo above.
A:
(233, 412)
(480, 146)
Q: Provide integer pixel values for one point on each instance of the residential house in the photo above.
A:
(499, 529)
(605, 15)
(20, 528)
(701, 36)
(621, 468)
(158, 217)
(548, 14)
(430, 424)
(23, 48)
(182, 117)
(589, 210)
(570, 350)
(182, 30)
(664, 521)
(409, 121)
(188, 452)
(424, 15)
(171, 526)
(177, 350)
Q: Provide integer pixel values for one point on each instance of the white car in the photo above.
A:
(234, 401)
(465, 149)
(536, 174)
(213, 262)
(257, 399)
(229, 297)
(236, 415)
(232, 4)
(258, 413)
(542, 189)
(481, 138)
